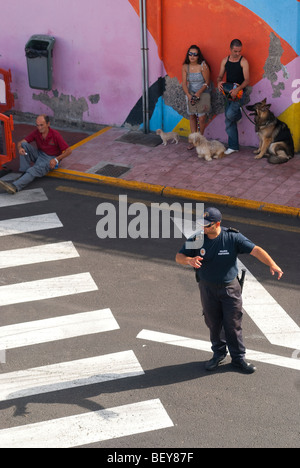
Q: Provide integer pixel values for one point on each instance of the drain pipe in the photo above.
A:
(145, 72)
(160, 51)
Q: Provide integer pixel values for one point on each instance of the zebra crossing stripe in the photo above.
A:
(37, 254)
(21, 198)
(68, 375)
(89, 428)
(58, 328)
(79, 429)
(46, 289)
(175, 340)
(10, 227)
(278, 327)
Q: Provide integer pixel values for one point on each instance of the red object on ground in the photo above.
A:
(7, 147)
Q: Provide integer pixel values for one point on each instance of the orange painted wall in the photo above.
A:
(211, 25)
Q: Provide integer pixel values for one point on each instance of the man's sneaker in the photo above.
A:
(9, 188)
(244, 366)
(214, 362)
(230, 151)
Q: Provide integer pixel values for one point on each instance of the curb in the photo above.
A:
(170, 192)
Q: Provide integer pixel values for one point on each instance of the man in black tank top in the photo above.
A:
(236, 68)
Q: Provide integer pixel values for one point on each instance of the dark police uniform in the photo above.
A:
(220, 290)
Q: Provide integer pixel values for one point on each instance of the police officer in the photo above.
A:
(216, 269)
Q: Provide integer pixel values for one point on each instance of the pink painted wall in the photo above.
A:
(97, 51)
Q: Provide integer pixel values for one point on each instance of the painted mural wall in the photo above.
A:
(97, 76)
(271, 38)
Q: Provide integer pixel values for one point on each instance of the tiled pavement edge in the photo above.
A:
(174, 171)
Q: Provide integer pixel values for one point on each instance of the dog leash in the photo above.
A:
(247, 115)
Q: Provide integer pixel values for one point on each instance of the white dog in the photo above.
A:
(207, 149)
(167, 136)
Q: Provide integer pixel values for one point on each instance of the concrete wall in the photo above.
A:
(97, 76)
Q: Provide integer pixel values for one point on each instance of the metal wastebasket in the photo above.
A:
(39, 53)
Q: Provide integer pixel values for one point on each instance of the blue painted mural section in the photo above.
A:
(164, 117)
(165, 114)
(272, 12)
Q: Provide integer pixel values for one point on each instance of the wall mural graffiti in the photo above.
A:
(270, 45)
(97, 77)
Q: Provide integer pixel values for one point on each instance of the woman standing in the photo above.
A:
(195, 84)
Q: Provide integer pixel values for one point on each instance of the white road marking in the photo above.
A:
(29, 224)
(278, 327)
(79, 429)
(89, 428)
(200, 345)
(46, 289)
(23, 197)
(66, 375)
(174, 340)
(58, 328)
(37, 254)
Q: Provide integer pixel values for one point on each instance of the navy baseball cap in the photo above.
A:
(211, 215)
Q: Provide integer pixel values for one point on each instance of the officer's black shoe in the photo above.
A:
(214, 362)
(244, 366)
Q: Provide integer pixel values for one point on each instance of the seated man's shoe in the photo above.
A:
(9, 188)
(214, 362)
(244, 366)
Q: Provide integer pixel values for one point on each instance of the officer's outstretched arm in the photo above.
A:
(265, 258)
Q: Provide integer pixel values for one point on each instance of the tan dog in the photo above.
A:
(207, 149)
(165, 136)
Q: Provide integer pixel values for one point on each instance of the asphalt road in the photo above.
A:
(145, 290)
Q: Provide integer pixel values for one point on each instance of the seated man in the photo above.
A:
(51, 149)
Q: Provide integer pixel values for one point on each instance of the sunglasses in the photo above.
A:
(193, 54)
(209, 225)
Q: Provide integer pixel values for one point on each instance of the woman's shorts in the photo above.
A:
(201, 107)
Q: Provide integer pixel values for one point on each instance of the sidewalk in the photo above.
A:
(237, 179)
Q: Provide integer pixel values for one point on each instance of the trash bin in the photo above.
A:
(39, 53)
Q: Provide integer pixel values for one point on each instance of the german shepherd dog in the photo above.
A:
(275, 139)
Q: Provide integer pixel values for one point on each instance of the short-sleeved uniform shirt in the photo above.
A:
(219, 264)
(53, 144)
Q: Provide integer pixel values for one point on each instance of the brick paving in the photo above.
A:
(237, 175)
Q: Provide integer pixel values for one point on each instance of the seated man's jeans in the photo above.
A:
(40, 168)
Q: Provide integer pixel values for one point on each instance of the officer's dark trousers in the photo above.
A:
(222, 310)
